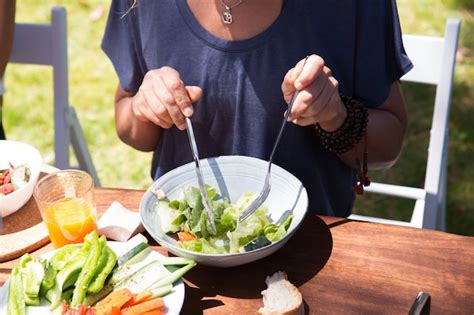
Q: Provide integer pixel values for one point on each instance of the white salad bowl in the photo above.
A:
(232, 176)
(19, 153)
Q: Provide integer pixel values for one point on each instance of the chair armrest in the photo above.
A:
(397, 191)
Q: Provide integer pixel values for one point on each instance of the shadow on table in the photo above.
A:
(301, 258)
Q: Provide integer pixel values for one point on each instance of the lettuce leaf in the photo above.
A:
(248, 230)
(201, 245)
(188, 214)
(276, 232)
(170, 218)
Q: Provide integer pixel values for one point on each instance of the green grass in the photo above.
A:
(92, 82)
(410, 169)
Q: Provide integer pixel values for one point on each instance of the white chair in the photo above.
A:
(46, 44)
(433, 59)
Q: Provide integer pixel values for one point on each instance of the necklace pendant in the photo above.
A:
(227, 16)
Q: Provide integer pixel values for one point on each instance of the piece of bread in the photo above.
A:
(281, 297)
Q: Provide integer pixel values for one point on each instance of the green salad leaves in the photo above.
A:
(187, 215)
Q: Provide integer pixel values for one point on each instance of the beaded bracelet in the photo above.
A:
(351, 131)
(347, 136)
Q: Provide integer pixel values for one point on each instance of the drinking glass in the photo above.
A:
(67, 205)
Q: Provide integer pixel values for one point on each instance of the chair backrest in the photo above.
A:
(46, 44)
(433, 59)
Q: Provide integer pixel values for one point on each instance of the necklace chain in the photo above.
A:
(227, 17)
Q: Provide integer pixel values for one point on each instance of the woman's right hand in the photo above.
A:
(164, 100)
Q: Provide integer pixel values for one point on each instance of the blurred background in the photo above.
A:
(28, 107)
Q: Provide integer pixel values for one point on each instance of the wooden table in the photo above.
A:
(340, 266)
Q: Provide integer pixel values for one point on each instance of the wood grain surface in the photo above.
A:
(23, 231)
(340, 266)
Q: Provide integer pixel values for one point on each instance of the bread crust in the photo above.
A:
(296, 309)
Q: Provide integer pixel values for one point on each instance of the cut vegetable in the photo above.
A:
(66, 296)
(98, 282)
(127, 270)
(131, 243)
(131, 253)
(64, 255)
(171, 278)
(257, 243)
(16, 300)
(146, 306)
(31, 300)
(88, 269)
(102, 257)
(145, 277)
(31, 273)
(139, 297)
(49, 279)
(154, 312)
(116, 299)
(166, 261)
(168, 217)
(91, 299)
(186, 236)
(161, 291)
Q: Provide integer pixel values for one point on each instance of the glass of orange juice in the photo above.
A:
(67, 205)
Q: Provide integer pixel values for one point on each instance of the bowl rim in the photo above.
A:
(178, 169)
(34, 172)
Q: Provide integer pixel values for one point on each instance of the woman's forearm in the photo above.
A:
(7, 27)
(385, 133)
(143, 136)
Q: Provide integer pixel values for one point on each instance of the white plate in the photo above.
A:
(173, 301)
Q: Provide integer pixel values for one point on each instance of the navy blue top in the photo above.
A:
(242, 105)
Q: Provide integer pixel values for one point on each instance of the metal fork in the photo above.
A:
(202, 186)
(257, 202)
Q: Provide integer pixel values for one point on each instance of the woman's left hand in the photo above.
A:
(318, 100)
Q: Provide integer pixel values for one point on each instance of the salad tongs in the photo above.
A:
(202, 187)
(258, 201)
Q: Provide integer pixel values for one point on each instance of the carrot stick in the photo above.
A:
(116, 299)
(138, 298)
(154, 312)
(107, 310)
(143, 307)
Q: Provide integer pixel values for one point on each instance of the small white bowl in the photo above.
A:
(18, 153)
(232, 176)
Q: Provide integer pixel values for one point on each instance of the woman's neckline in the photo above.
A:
(223, 44)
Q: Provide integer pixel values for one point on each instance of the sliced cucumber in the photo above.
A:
(131, 267)
(257, 243)
(167, 261)
(131, 243)
(161, 291)
(131, 253)
(172, 277)
(144, 278)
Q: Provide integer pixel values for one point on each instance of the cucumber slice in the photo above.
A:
(132, 266)
(144, 278)
(257, 243)
(131, 243)
(131, 253)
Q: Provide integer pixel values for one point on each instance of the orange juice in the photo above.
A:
(69, 220)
